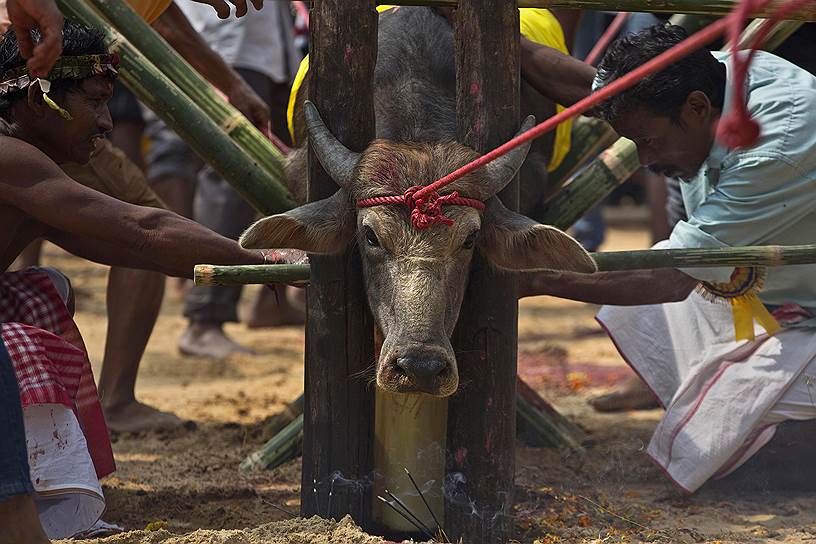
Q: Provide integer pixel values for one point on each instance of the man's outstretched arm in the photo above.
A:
(623, 288)
(162, 240)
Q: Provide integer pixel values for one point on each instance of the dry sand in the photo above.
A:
(188, 482)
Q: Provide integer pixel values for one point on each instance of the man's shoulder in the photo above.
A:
(782, 100)
(20, 162)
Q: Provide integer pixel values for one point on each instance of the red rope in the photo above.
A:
(736, 129)
(607, 37)
(679, 51)
(426, 211)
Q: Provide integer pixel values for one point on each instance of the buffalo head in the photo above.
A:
(415, 279)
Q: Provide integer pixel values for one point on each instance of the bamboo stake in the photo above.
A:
(207, 274)
(259, 187)
(292, 274)
(283, 418)
(609, 170)
(279, 449)
(695, 7)
(201, 92)
(589, 137)
(706, 258)
(781, 32)
(541, 424)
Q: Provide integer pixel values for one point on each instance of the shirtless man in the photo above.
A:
(39, 130)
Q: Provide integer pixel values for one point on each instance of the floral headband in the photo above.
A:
(77, 67)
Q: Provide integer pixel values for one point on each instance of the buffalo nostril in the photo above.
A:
(421, 372)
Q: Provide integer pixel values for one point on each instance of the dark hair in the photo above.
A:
(664, 92)
(77, 39)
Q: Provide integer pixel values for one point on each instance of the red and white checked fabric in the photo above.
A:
(49, 356)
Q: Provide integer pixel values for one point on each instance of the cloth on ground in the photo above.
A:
(722, 397)
(69, 498)
(49, 357)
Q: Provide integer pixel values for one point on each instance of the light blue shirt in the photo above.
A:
(766, 194)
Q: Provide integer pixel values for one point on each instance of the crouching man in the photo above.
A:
(724, 381)
(44, 123)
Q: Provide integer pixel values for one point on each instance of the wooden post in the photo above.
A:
(482, 421)
(338, 415)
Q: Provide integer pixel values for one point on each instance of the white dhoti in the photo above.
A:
(723, 398)
(69, 498)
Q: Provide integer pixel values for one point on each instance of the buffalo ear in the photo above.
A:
(514, 242)
(323, 227)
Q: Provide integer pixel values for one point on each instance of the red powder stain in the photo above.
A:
(489, 443)
(474, 88)
(347, 54)
(489, 402)
(461, 453)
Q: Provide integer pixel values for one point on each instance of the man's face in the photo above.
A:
(673, 148)
(88, 105)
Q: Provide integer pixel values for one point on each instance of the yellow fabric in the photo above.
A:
(537, 25)
(149, 10)
(746, 309)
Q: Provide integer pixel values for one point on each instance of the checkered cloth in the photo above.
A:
(49, 356)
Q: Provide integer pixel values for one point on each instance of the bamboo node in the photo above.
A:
(232, 122)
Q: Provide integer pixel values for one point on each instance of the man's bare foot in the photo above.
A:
(269, 310)
(209, 340)
(634, 394)
(135, 417)
(20, 523)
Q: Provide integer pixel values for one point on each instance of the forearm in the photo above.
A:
(624, 288)
(180, 34)
(559, 77)
(174, 245)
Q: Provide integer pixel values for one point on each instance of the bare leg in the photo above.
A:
(178, 194)
(276, 309)
(30, 256)
(134, 300)
(20, 523)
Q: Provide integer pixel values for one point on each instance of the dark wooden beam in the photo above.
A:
(339, 408)
(481, 421)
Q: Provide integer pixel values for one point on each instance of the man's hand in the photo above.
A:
(222, 8)
(25, 15)
(250, 104)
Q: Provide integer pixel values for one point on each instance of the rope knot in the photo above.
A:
(426, 210)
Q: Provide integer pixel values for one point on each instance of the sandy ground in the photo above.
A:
(186, 482)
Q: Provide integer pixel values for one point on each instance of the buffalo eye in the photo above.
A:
(470, 240)
(371, 238)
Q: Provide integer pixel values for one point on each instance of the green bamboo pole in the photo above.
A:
(283, 418)
(706, 258)
(292, 274)
(606, 172)
(279, 449)
(207, 139)
(696, 7)
(201, 92)
(589, 137)
(607, 261)
(781, 32)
